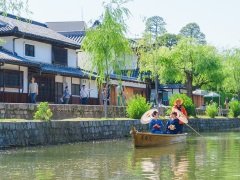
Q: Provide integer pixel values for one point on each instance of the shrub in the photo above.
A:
(212, 111)
(187, 103)
(137, 106)
(43, 112)
(234, 108)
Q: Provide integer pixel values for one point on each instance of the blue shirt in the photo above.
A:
(155, 130)
(174, 122)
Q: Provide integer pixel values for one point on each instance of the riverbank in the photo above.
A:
(67, 131)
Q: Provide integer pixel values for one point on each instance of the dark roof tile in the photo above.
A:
(11, 24)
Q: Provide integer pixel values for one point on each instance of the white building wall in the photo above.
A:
(76, 81)
(43, 51)
(83, 60)
(94, 92)
(25, 77)
(72, 58)
(130, 84)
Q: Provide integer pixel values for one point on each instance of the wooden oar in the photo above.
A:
(194, 130)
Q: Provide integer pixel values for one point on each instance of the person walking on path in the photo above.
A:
(33, 90)
(179, 107)
(66, 95)
(84, 94)
(227, 103)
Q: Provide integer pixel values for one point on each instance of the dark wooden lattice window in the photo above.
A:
(75, 90)
(29, 50)
(11, 78)
(59, 56)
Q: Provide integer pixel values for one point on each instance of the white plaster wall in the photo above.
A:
(72, 58)
(83, 60)
(25, 77)
(130, 84)
(94, 92)
(75, 80)
(59, 79)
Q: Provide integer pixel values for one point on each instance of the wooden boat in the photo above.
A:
(141, 139)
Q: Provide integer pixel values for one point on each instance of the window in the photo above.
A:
(75, 89)
(11, 78)
(59, 56)
(29, 50)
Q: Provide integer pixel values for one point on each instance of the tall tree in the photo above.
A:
(107, 44)
(192, 30)
(193, 63)
(169, 40)
(231, 63)
(155, 26)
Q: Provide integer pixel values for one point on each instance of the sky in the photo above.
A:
(219, 20)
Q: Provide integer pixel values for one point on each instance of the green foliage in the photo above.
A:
(231, 70)
(15, 7)
(155, 26)
(212, 111)
(43, 112)
(169, 40)
(106, 43)
(137, 106)
(234, 108)
(187, 103)
(192, 30)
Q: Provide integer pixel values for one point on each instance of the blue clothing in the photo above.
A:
(84, 100)
(33, 97)
(174, 122)
(155, 130)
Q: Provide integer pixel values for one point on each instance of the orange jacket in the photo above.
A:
(183, 110)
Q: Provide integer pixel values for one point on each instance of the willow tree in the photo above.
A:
(192, 63)
(14, 7)
(107, 45)
(231, 63)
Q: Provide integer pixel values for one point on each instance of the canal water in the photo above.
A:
(217, 156)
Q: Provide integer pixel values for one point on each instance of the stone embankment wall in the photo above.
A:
(60, 111)
(54, 132)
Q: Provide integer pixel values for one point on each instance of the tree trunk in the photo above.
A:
(238, 95)
(189, 85)
(156, 93)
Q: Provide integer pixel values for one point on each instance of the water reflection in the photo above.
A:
(215, 157)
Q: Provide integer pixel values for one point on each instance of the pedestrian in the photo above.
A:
(233, 98)
(66, 95)
(119, 92)
(84, 94)
(104, 95)
(33, 90)
(227, 103)
(179, 108)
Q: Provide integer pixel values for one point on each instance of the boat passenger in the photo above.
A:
(179, 107)
(156, 126)
(172, 126)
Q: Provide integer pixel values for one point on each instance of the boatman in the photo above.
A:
(179, 107)
(156, 126)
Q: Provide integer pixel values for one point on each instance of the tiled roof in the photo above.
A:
(67, 26)
(8, 57)
(63, 70)
(125, 78)
(10, 25)
(172, 86)
(77, 36)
